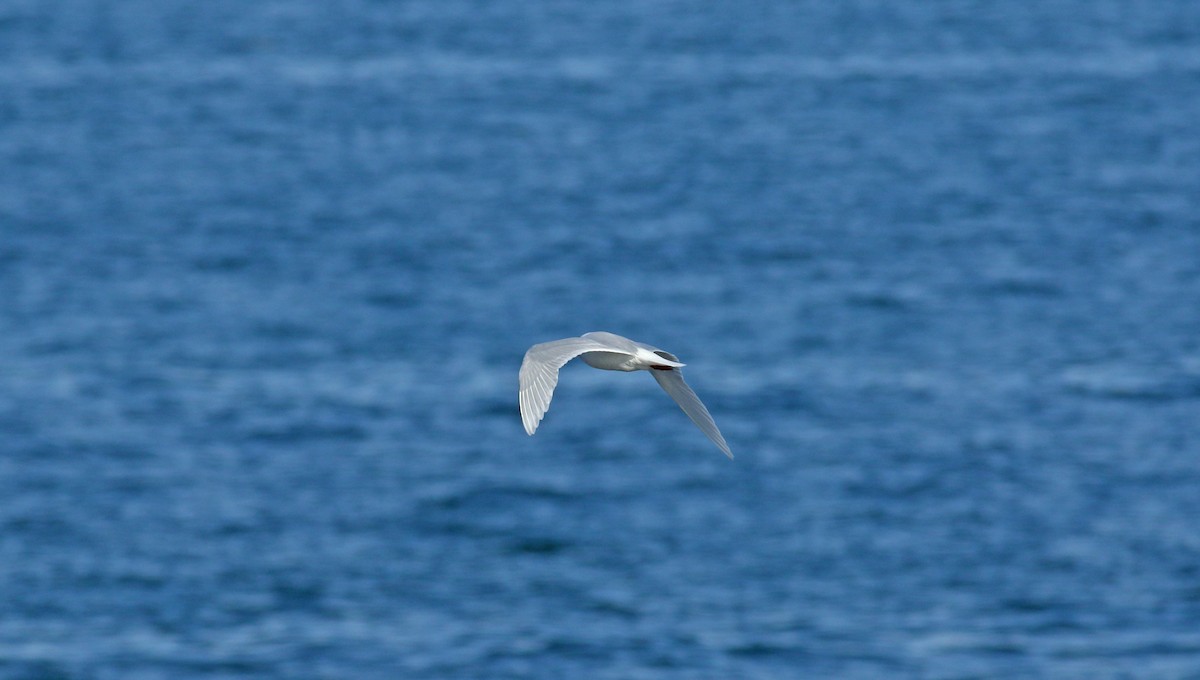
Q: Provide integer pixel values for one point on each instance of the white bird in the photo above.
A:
(611, 352)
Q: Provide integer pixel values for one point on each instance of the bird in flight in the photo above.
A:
(611, 352)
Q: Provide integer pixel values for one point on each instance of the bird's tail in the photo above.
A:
(667, 361)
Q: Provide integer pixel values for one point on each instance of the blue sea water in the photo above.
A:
(267, 272)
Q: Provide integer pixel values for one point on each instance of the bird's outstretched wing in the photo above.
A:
(539, 374)
(672, 382)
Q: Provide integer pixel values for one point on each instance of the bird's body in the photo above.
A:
(610, 352)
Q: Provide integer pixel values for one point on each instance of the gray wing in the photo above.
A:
(672, 382)
(539, 374)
